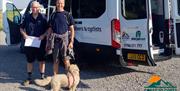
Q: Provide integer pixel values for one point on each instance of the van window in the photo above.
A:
(53, 2)
(88, 8)
(134, 9)
(178, 2)
(157, 7)
(12, 12)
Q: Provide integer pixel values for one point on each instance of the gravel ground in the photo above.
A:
(93, 77)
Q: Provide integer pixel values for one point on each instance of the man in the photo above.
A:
(60, 22)
(34, 24)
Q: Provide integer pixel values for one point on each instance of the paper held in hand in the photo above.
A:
(32, 41)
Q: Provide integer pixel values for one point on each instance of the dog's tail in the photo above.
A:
(43, 82)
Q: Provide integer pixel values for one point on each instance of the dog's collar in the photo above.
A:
(69, 82)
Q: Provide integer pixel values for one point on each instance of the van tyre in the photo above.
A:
(78, 56)
(119, 62)
(122, 62)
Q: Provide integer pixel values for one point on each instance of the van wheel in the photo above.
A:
(121, 61)
(78, 57)
(79, 62)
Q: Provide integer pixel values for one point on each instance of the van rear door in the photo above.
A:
(136, 31)
(176, 24)
(11, 22)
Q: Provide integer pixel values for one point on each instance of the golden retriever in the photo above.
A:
(71, 80)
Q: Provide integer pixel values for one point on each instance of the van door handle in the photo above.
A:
(78, 22)
(150, 30)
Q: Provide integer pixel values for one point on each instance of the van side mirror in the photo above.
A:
(16, 19)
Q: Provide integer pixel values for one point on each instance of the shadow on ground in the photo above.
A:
(90, 71)
(29, 89)
(13, 68)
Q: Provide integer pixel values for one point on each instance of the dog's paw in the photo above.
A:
(43, 82)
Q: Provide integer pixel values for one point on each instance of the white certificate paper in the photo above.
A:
(32, 41)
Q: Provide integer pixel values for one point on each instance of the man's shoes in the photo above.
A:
(43, 77)
(27, 82)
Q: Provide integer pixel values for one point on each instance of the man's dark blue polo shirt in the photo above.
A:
(34, 27)
(60, 22)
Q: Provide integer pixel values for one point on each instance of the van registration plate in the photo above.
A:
(138, 57)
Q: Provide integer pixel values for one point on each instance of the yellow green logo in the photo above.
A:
(157, 84)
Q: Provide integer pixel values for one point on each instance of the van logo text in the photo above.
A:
(88, 29)
(138, 36)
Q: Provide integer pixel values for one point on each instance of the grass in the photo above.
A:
(1, 26)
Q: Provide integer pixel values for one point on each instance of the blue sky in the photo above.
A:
(20, 4)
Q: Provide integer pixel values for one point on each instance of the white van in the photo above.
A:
(175, 25)
(145, 30)
(136, 31)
